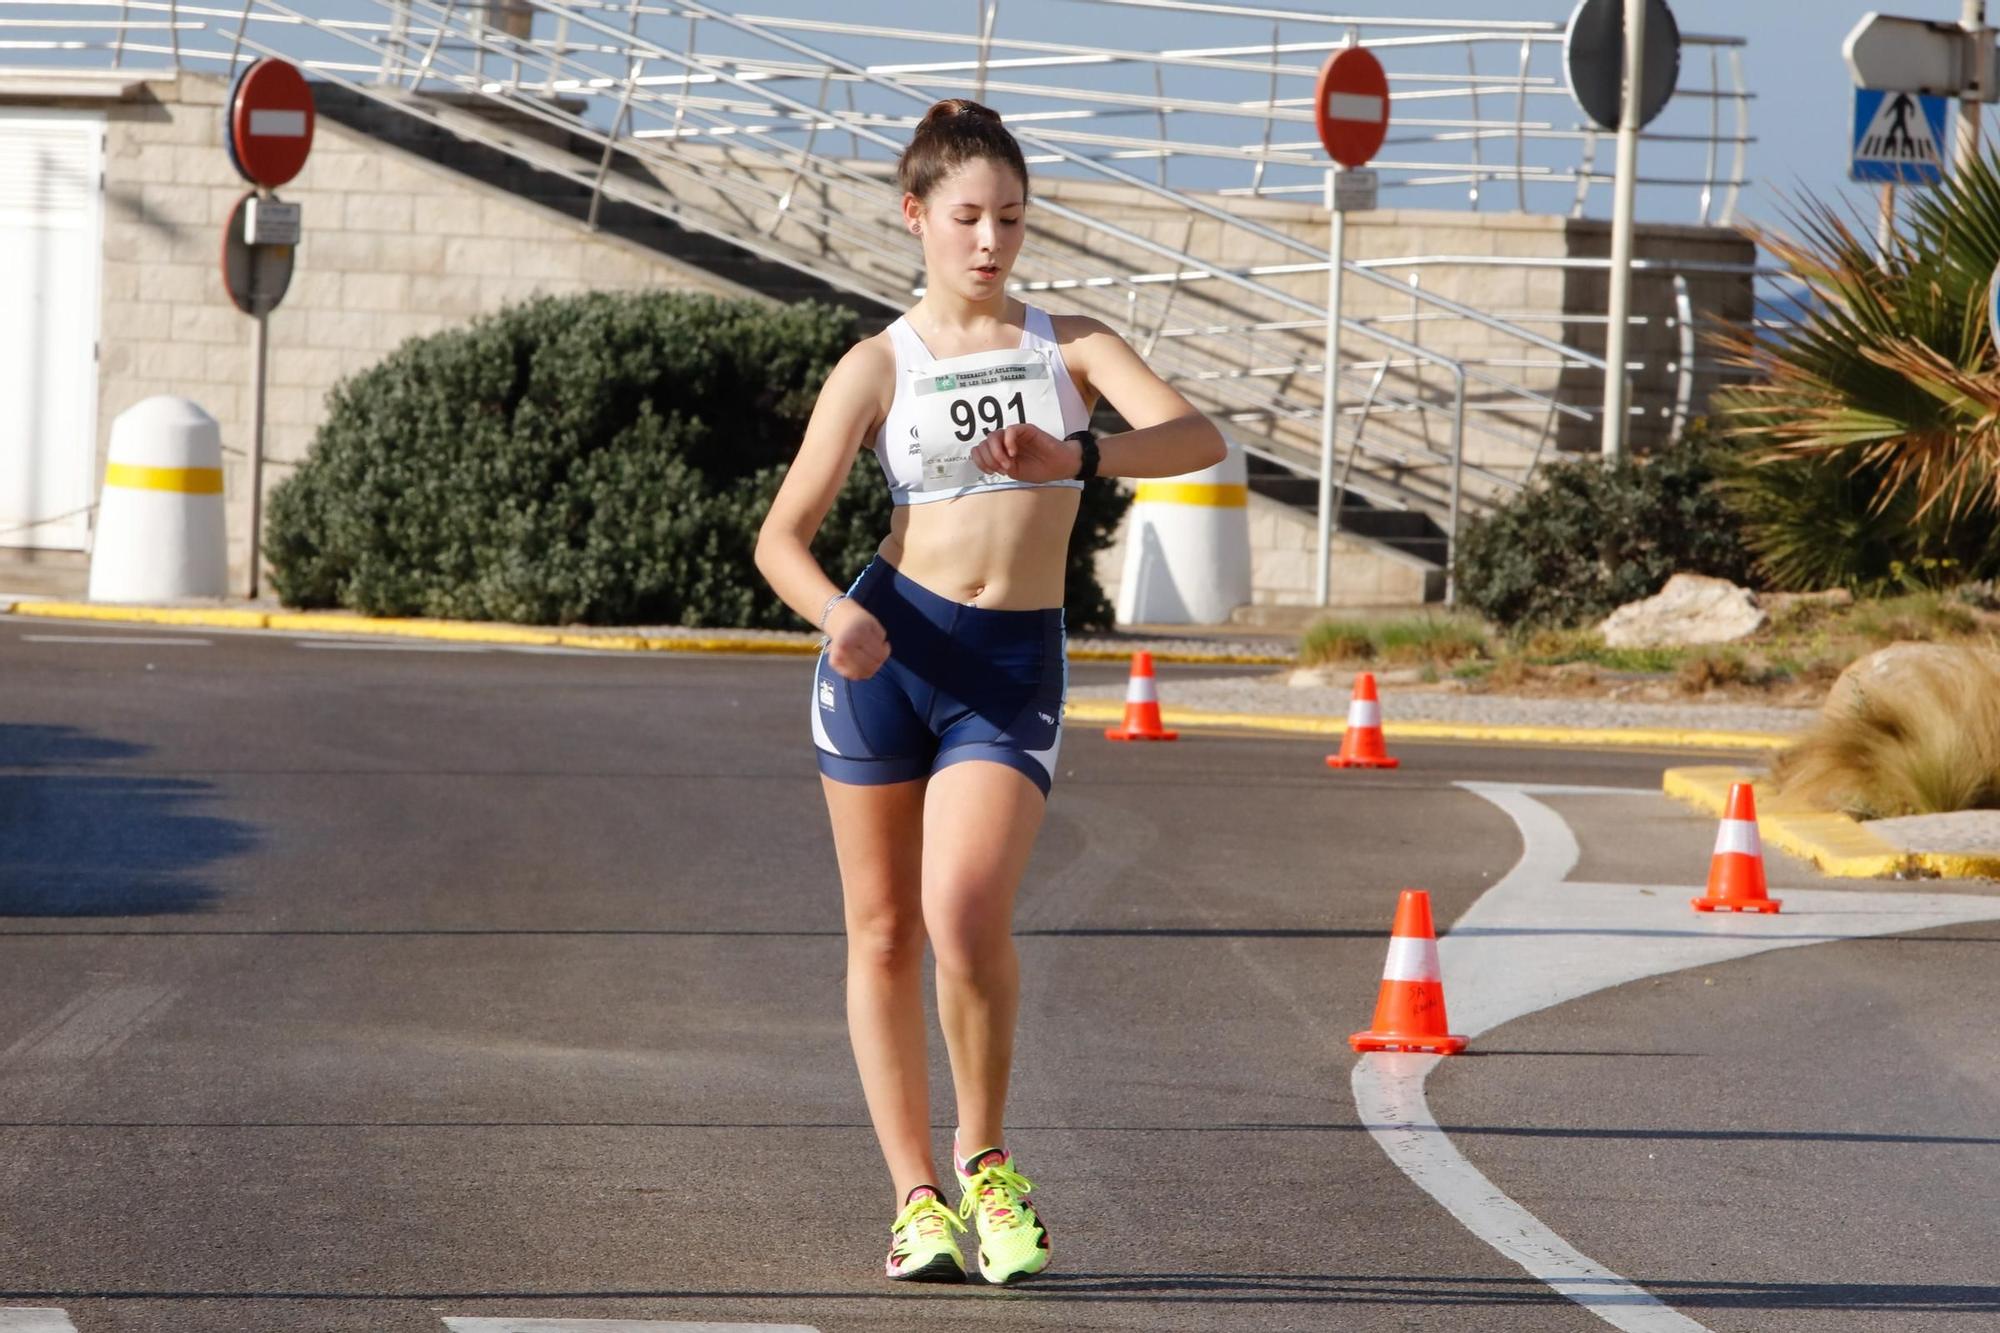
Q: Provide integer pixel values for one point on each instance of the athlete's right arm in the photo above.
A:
(852, 404)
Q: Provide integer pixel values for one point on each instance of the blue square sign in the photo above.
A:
(1899, 138)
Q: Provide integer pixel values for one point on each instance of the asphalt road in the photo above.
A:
(355, 987)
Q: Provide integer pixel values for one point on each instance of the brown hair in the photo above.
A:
(952, 133)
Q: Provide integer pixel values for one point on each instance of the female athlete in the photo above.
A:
(937, 701)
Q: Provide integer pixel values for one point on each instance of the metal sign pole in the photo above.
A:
(1885, 224)
(1980, 42)
(259, 348)
(1336, 253)
(1619, 323)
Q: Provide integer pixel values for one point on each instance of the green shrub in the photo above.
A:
(1586, 538)
(1816, 523)
(597, 459)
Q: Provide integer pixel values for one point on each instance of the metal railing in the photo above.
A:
(776, 133)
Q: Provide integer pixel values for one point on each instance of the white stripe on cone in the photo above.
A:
(1364, 713)
(1411, 960)
(1139, 690)
(1738, 835)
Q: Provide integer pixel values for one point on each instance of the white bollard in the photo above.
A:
(159, 521)
(1187, 553)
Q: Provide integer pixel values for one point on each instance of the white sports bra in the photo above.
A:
(943, 408)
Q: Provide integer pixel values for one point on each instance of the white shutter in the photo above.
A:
(50, 227)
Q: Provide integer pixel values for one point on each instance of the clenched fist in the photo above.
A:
(857, 645)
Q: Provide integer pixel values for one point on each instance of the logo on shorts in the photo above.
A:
(826, 695)
(1046, 718)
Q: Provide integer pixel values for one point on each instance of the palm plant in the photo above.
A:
(1873, 424)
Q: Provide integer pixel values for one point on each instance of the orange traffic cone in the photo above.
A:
(1142, 706)
(1409, 1009)
(1361, 743)
(1736, 871)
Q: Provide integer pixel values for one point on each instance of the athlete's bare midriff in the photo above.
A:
(1002, 550)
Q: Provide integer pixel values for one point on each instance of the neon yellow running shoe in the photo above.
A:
(1013, 1243)
(921, 1247)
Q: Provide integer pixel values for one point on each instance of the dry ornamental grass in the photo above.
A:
(1929, 746)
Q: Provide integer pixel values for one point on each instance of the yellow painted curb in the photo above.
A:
(1839, 845)
(1111, 710)
(479, 631)
(456, 631)
(215, 617)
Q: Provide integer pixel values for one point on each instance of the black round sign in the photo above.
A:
(1594, 59)
(255, 276)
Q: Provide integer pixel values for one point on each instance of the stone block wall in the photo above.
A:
(392, 248)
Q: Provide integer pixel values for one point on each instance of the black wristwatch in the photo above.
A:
(1088, 443)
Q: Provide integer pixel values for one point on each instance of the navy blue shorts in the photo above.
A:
(961, 682)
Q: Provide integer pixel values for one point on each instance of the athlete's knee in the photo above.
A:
(889, 940)
(974, 953)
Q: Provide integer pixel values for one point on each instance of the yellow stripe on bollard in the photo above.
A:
(1214, 496)
(186, 480)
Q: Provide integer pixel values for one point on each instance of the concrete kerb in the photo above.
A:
(1838, 844)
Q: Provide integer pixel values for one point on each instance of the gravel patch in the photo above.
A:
(1960, 831)
(1254, 695)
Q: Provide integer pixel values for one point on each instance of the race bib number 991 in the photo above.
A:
(961, 401)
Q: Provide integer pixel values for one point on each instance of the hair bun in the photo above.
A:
(954, 107)
(953, 132)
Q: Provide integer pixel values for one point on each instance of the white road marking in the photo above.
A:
(34, 1319)
(1534, 940)
(1573, 789)
(136, 640)
(94, 1024)
(613, 1325)
(608, 1326)
(354, 645)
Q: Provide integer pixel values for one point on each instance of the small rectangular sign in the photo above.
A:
(278, 124)
(1899, 138)
(270, 222)
(1355, 191)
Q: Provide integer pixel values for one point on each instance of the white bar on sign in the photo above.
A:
(1357, 106)
(278, 124)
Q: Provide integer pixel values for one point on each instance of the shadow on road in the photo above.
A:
(1193, 1289)
(86, 845)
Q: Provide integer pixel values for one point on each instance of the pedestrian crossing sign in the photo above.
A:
(1898, 137)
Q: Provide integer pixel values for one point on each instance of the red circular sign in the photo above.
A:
(270, 122)
(1351, 106)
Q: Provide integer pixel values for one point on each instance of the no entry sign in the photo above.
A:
(268, 126)
(1351, 106)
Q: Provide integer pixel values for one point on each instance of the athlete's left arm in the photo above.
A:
(1168, 436)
